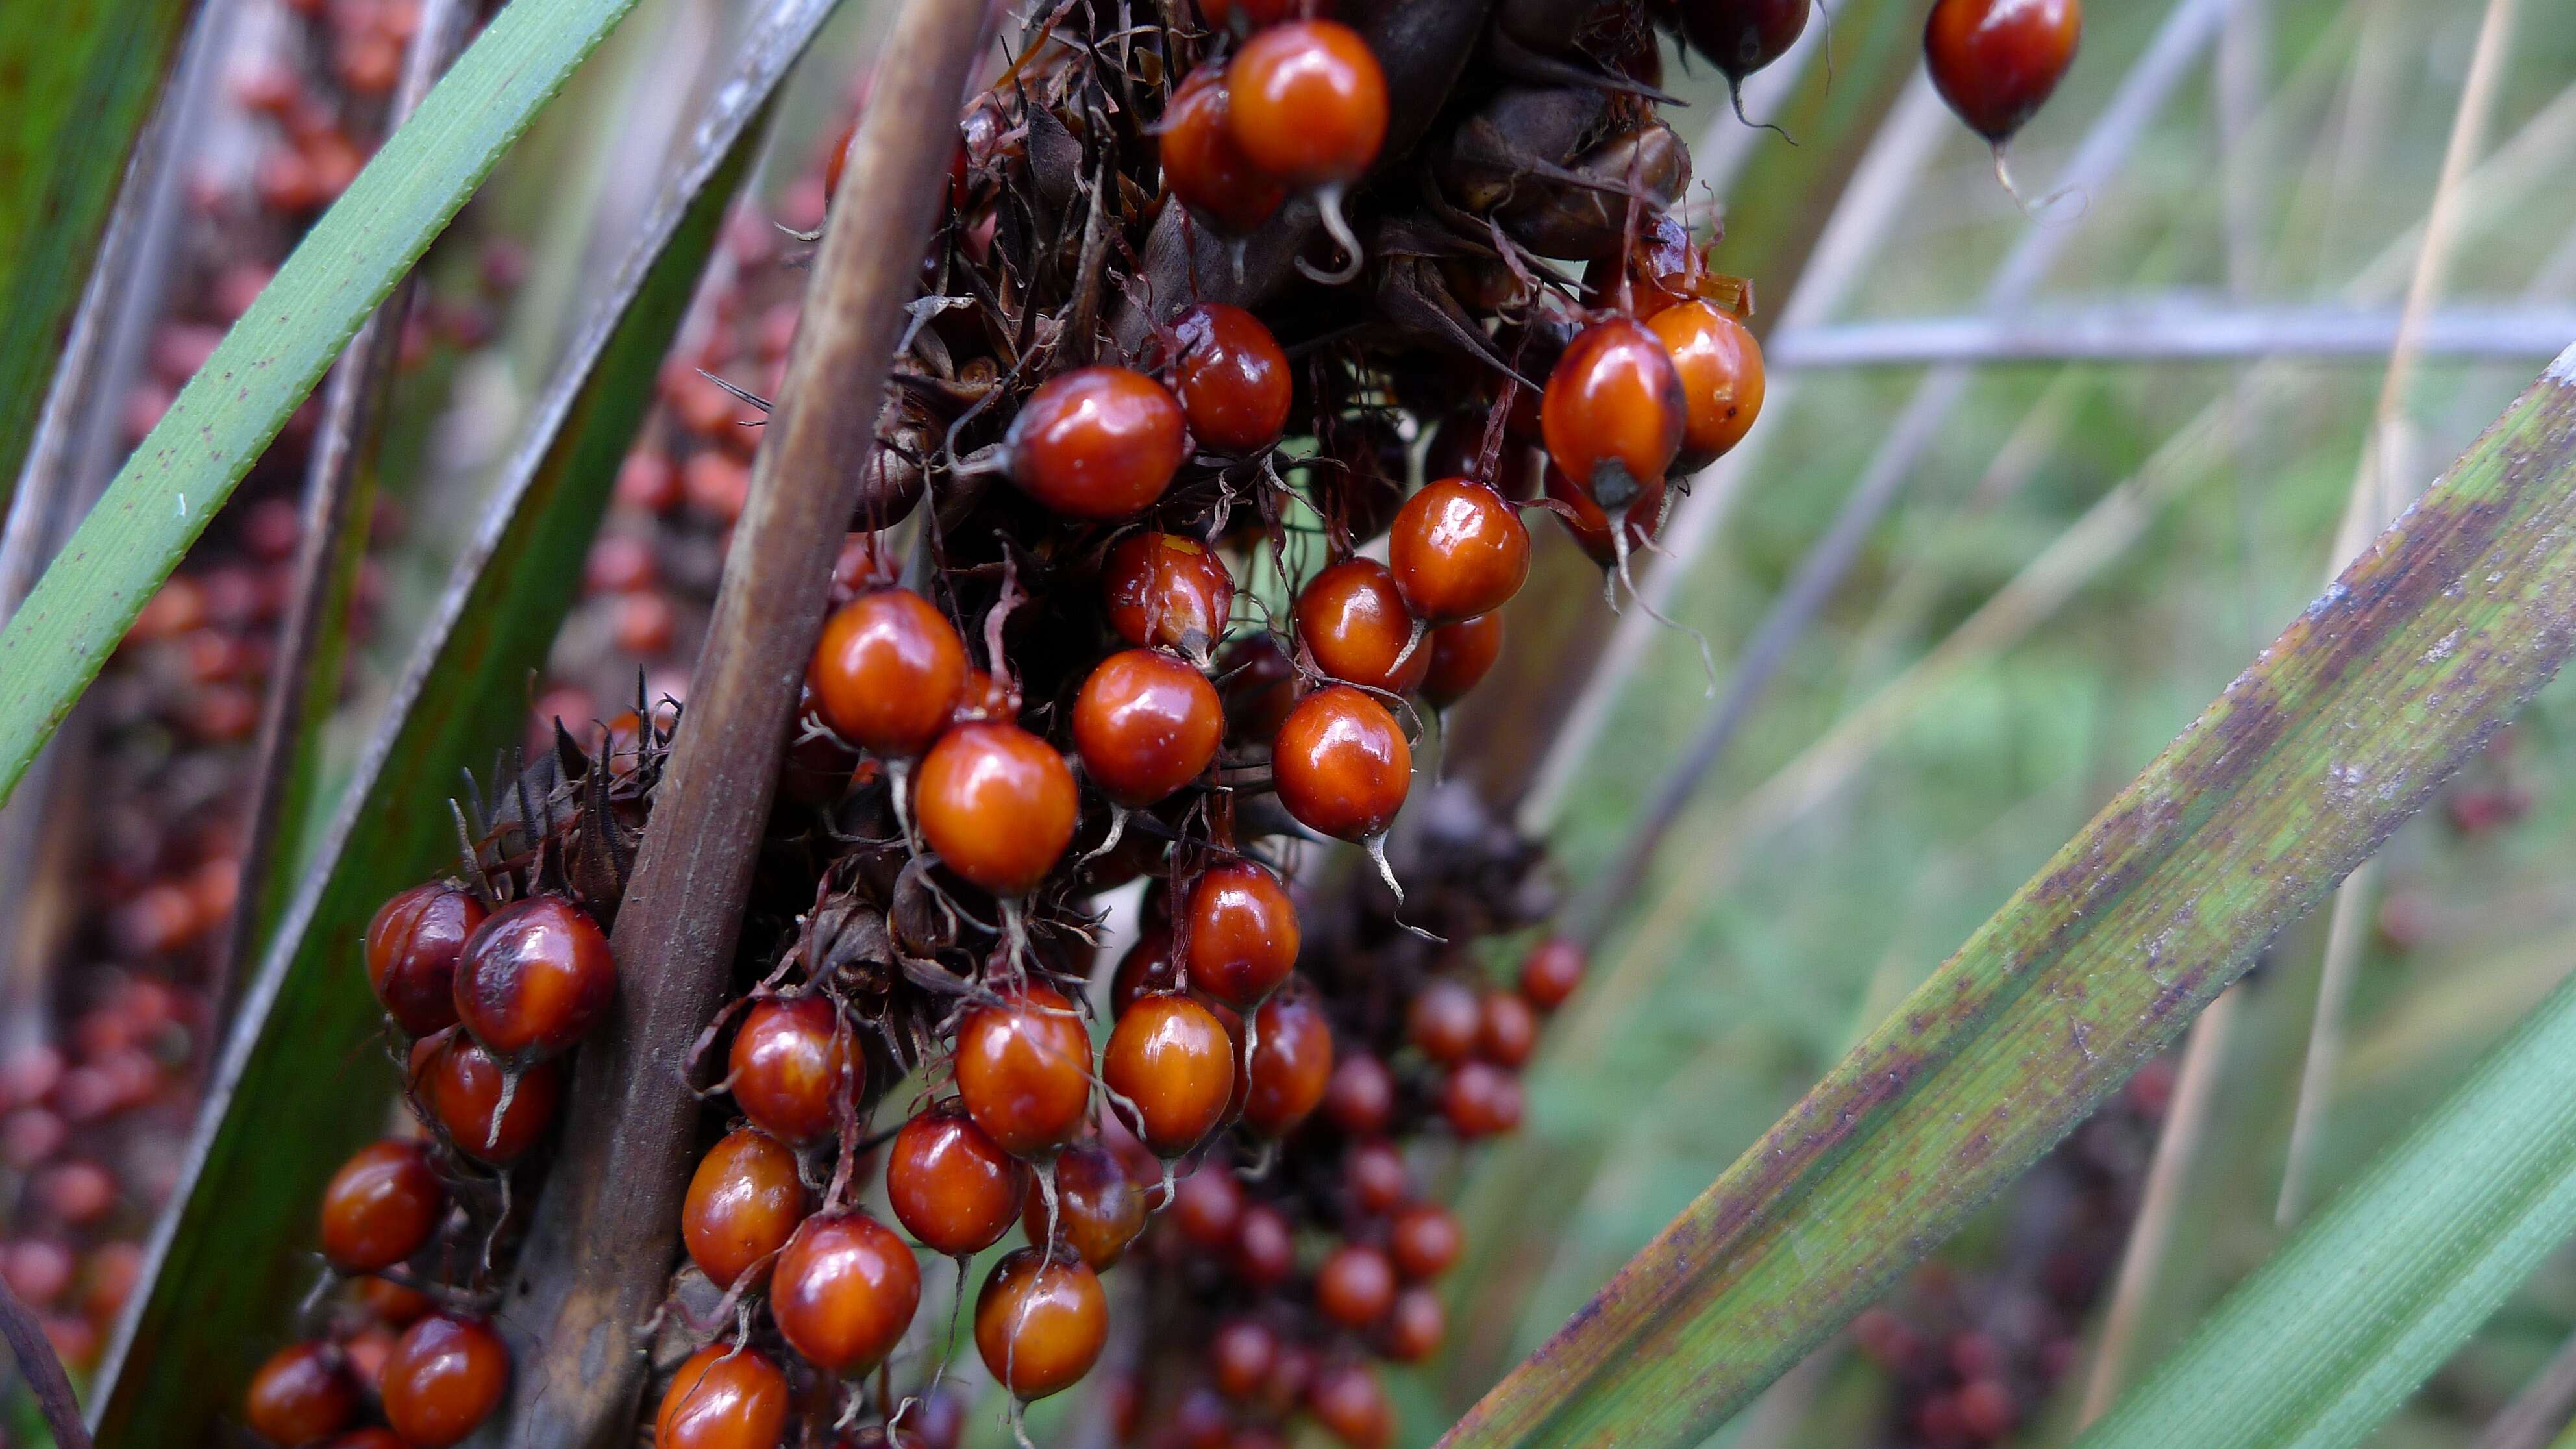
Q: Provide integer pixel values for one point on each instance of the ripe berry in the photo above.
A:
(1209, 1206)
(794, 1067)
(1740, 37)
(1443, 1020)
(464, 1086)
(1506, 1029)
(1481, 1100)
(844, 1291)
(533, 979)
(1144, 725)
(446, 1376)
(1308, 103)
(1147, 967)
(1590, 525)
(1290, 1063)
(744, 1201)
(1353, 620)
(1204, 166)
(997, 804)
(1355, 1286)
(1260, 687)
(1098, 1208)
(1350, 1403)
(1551, 971)
(1461, 653)
(1415, 1326)
(1721, 371)
(380, 1207)
(1243, 934)
(1361, 1095)
(1040, 1324)
(302, 1395)
(393, 1304)
(1995, 61)
(1240, 1358)
(1167, 592)
(412, 949)
(1340, 765)
(1097, 442)
(1172, 1059)
(1424, 1241)
(1232, 378)
(1375, 1174)
(1614, 411)
(1264, 1251)
(725, 1396)
(1457, 550)
(1024, 1070)
(950, 1185)
(888, 672)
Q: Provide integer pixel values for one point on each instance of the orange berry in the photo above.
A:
(997, 804)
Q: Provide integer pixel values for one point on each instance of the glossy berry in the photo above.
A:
(1259, 687)
(724, 1396)
(1144, 725)
(1240, 1358)
(951, 1186)
(1024, 1070)
(1308, 103)
(412, 948)
(1288, 1065)
(393, 1304)
(997, 804)
(1506, 1029)
(1231, 377)
(445, 1377)
(1147, 967)
(1352, 1406)
(533, 979)
(1098, 1210)
(1740, 37)
(380, 1207)
(1172, 1059)
(1355, 1286)
(794, 1067)
(302, 1395)
(1551, 971)
(1353, 620)
(1613, 412)
(1375, 1175)
(1995, 61)
(888, 672)
(1264, 1251)
(1415, 1326)
(1461, 655)
(1209, 1206)
(1040, 1324)
(1361, 1095)
(1203, 165)
(1590, 523)
(1721, 371)
(844, 1291)
(1340, 765)
(1457, 550)
(1243, 934)
(1097, 442)
(1423, 1241)
(744, 1202)
(1167, 592)
(1443, 1020)
(465, 1087)
(1481, 1100)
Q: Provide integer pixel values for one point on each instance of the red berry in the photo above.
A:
(1721, 371)
(1024, 1070)
(1614, 411)
(533, 979)
(1264, 1251)
(1240, 1358)
(1172, 1059)
(1740, 37)
(1147, 967)
(380, 1207)
(1353, 620)
(951, 1185)
(1097, 442)
(1202, 164)
(725, 1396)
(1461, 653)
(302, 1395)
(1481, 1100)
(1308, 102)
(1361, 1095)
(1290, 1062)
(1350, 1403)
(1340, 765)
(1260, 687)
(1506, 1029)
(445, 1377)
(744, 1202)
(1167, 592)
(794, 1067)
(1144, 725)
(1415, 1326)
(1551, 971)
(1995, 61)
(1232, 378)
(998, 805)
(1243, 934)
(412, 949)
(844, 1291)
(464, 1087)
(393, 1304)
(1040, 1323)
(1443, 1020)
(1457, 550)
(1209, 1206)
(1423, 1241)
(1375, 1174)
(888, 672)
(1590, 525)
(1355, 1286)
(1098, 1208)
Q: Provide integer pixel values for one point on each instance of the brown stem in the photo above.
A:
(601, 1249)
(43, 1371)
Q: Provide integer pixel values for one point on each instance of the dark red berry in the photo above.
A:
(843, 1291)
(888, 672)
(1098, 1207)
(1264, 1251)
(1481, 1100)
(1551, 971)
(794, 1067)
(1415, 1326)
(1995, 61)
(1424, 1241)
(724, 1396)
(413, 945)
(1355, 1286)
(1260, 687)
(1024, 1070)
(490, 1112)
(1361, 1095)
(1097, 442)
(1461, 653)
(1209, 1206)
(1170, 1058)
(1204, 166)
(1167, 592)
(1350, 1403)
(1308, 102)
(1457, 550)
(1040, 1322)
(533, 979)
(1590, 523)
(1443, 1020)
(1506, 1029)
(1231, 377)
(1288, 1064)
(1340, 765)
(1375, 1174)
(1740, 37)
(1243, 934)
(951, 1185)
(1144, 725)
(1353, 620)
(381, 1206)
(302, 1395)
(743, 1203)
(997, 804)
(1240, 1358)
(1614, 412)
(445, 1377)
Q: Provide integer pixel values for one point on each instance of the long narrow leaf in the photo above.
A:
(167, 492)
(302, 1080)
(2340, 730)
(2322, 1344)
